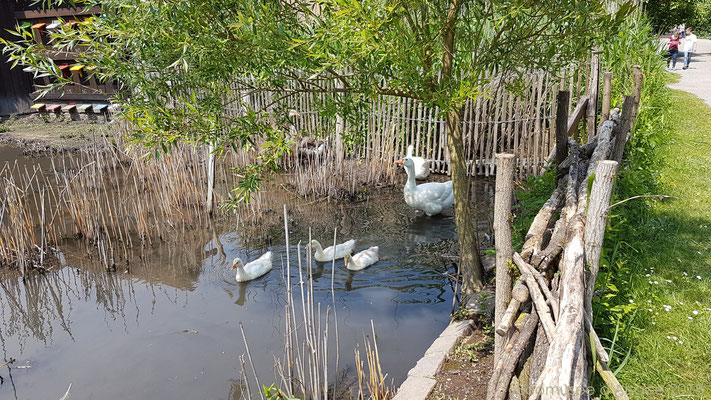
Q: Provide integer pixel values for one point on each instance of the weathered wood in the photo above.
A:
(522, 340)
(593, 94)
(606, 95)
(561, 128)
(502, 236)
(499, 364)
(209, 202)
(616, 389)
(600, 195)
(538, 298)
(559, 369)
(637, 78)
(623, 129)
(519, 295)
(538, 359)
(551, 300)
(576, 116)
(514, 389)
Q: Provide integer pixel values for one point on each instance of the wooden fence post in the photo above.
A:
(210, 177)
(606, 95)
(596, 222)
(340, 130)
(502, 237)
(593, 92)
(628, 110)
(561, 126)
(638, 77)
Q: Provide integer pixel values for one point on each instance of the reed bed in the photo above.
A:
(109, 195)
(306, 370)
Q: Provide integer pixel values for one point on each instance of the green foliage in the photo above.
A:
(665, 15)
(638, 175)
(273, 393)
(531, 196)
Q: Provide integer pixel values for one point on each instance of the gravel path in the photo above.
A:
(696, 79)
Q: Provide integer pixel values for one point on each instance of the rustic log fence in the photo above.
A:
(520, 122)
(545, 343)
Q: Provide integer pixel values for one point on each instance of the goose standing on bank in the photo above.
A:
(254, 269)
(431, 197)
(362, 260)
(331, 252)
(422, 166)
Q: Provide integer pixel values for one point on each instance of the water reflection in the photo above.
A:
(164, 326)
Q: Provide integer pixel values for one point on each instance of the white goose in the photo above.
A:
(362, 260)
(431, 197)
(340, 250)
(254, 269)
(422, 166)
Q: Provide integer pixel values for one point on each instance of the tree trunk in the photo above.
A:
(502, 234)
(469, 263)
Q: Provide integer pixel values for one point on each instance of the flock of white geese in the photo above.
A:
(430, 198)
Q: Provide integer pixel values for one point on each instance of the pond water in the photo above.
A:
(168, 327)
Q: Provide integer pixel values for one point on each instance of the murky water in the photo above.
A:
(168, 327)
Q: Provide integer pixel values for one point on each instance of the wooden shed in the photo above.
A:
(17, 88)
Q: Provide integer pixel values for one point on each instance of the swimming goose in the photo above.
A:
(340, 250)
(254, 269)
(431, 197)
(364, 259)
(422, 166)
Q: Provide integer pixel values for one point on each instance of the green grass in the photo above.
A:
(657, 258)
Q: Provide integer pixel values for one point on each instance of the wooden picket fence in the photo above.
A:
(499, 121)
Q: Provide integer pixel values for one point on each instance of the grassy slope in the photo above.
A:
(673, 247)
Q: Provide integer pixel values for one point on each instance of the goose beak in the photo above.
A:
(400, 161)
(234, 265)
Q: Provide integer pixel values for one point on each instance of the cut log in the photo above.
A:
(559, 371)
(539, 300)
(502, 236)
(519, 295)
(600, 195)
(550, 299)
(522, 340)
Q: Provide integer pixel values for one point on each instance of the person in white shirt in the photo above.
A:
(689, 46)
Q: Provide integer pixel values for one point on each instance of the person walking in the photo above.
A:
(673, 53)
(689, 46)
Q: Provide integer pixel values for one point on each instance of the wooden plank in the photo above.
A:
(593, 92)
(577, 116)
(60, 12)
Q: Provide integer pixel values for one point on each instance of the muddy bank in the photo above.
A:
(36, 136)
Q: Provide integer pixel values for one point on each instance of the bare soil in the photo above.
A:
(35, 135)
(466, 374)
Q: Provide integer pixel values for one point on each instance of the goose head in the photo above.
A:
(315, 245)
(237, 263)
(407, 163)
(348, 258)
(410, 150)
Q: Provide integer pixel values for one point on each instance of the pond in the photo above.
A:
(167, 327)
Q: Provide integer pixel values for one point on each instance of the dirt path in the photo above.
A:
(696, 79)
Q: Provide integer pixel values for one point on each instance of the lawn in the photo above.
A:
(668, 276)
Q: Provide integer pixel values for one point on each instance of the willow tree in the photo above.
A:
(439, 52)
